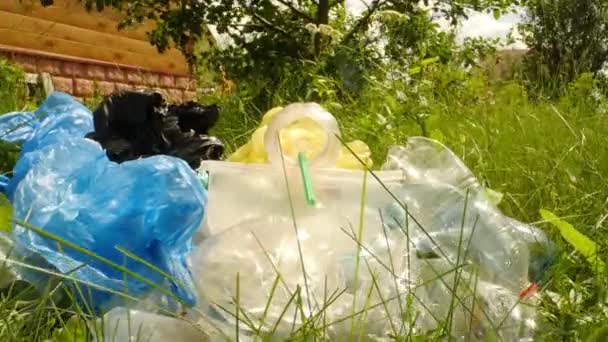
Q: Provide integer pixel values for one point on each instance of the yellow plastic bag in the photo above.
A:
(254, 150)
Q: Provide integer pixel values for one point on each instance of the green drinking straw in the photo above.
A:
(306, 179)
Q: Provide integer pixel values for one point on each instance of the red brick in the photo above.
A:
(72, 69)
(152, 80)
(95, 72)
(135, 77)
(174, 95)
(64, 84)
(167, 81)
(51, 66)
(189, 96)
(84, 87)
(105, 88)
(123, 86)
(28, 63)
(184, 83)
(116, 74)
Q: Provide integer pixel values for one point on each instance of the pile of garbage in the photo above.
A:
(291, 234)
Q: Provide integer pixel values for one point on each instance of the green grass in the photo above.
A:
(539, 153)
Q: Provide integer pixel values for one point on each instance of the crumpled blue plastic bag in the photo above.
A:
(17, 126)
(59, 118)
(64, 184)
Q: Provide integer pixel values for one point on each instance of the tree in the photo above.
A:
(264, 30)
(566, 38)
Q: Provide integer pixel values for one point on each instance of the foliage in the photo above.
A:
(6, 214)
(579, 241)
(270, 40)
(12, 98)
(566, 38)
(12, 87)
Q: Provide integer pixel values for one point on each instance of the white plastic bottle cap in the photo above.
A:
(329, 153)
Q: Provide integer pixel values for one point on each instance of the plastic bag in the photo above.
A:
(17, 126)
(7, 271)
(131, 125)
(432, 250)
(305, 129)
(121, 324)
(60, 117)
(65, 185)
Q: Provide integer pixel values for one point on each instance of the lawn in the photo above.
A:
(538, 153)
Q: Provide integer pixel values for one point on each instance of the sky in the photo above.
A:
(478, 24)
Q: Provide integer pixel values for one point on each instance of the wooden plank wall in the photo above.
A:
(66, 28)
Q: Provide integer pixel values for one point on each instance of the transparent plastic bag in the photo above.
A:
(406, 251)
(122, 324)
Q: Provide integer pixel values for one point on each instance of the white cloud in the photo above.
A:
(484, 25)
(477, 25)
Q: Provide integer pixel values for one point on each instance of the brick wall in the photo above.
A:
(86, 78)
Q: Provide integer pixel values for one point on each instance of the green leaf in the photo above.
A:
(6, 214)
(428, 61)
(494, 196)
(73, 331)
(576, 239)
(600, 334)
(415, 70)
(496, 13)
(436, 134)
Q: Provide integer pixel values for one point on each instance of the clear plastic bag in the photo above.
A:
(408, 250)
(122, 324)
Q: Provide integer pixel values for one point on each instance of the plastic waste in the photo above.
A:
(7, 271)
(4, 180)
(131, 125)
(17, 126)
(65, 185)
(414, 247)
(59, 118)
(122, 324)
(310, 130)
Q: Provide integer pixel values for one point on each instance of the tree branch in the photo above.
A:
(268, 24)
(363, 21)
(296, 11)
(323, 12)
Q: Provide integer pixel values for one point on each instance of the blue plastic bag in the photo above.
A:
(17, 126)
(59, 118)
(64, 184)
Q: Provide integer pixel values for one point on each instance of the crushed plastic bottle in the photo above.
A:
(415, 247)
(311, 132)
